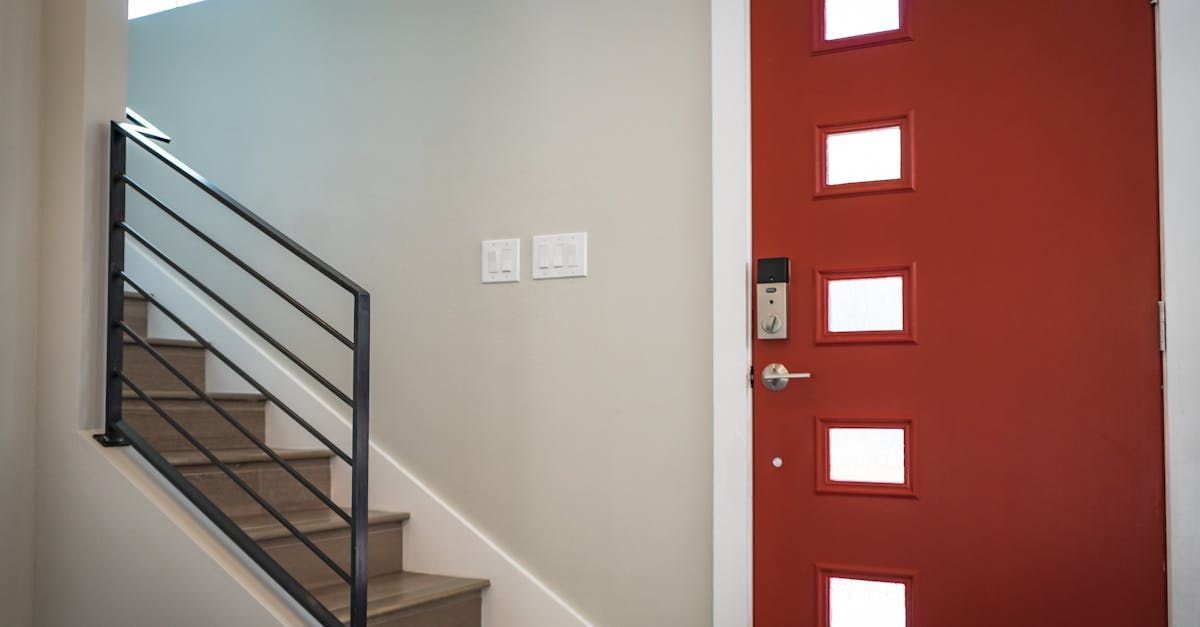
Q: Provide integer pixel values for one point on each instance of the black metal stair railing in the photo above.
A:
(118, 432)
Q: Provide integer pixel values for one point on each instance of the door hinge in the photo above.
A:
(750, 375)
(1162, 326)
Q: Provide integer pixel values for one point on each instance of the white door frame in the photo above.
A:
(1179, 162)
(1179, 141)
(732, 505)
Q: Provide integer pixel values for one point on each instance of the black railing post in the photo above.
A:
(362, 453)
(116, 290)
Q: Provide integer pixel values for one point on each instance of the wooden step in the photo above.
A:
(406, 599)
(262, 474)
(144, 370)
(385, 543)
(198, 418)
(136, 309)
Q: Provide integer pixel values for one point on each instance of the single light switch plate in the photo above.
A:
(559, 256)
(501, 260)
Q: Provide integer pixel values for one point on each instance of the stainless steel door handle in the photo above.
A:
(776, 376)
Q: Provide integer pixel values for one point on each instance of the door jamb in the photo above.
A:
(1178, 89)
(731, 399)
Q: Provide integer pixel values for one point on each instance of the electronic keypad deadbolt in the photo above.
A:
(772, 297)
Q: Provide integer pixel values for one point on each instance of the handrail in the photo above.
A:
(237, 261)
(136, 134)
(233, 476)
(238, 370)
(117, 432)
(249, 435)
(209, 292)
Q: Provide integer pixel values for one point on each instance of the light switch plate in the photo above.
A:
(501, 260)
(559, 256)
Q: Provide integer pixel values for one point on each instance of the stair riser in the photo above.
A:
(199, 419)
(385, 546)
(460, 611)
(135, 315)
(149, 375)
(270, 481)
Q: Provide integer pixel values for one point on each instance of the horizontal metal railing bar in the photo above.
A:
(134, 133)
(233, 476)
(262, 389)
(328, 328)
(202, 395)
(237, 314)
(230, 528)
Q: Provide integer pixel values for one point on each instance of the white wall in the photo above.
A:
(20, 27)
(1179, 95)
(570, 420)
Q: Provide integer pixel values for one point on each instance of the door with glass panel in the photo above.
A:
(955, 205)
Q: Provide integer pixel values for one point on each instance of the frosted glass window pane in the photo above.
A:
(859, 156)
(847, 18)
(866, 455)
(872, 304)
(861, 603)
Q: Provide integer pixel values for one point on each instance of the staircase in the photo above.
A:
(344, 565)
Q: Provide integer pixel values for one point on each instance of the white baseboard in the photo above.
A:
(437, 538)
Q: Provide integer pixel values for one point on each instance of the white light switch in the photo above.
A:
(559, 256)
(501, 260)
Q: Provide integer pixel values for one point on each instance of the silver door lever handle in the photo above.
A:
(776, 376)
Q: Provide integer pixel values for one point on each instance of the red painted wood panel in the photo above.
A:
(1036, 376)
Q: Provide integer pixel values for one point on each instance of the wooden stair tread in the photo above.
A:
(185, 395)
(242, 455)
(164, 341)
(263, 527)
(394, 592)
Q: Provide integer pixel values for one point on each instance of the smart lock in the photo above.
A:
(772, 292)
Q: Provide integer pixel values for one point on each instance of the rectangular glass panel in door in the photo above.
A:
(848, 18)
(859, 455)
(866, 603)
(869, 304)
(861, 156)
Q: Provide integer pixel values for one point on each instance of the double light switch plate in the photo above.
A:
(501, 260)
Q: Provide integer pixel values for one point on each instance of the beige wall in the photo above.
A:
(106, 553)
(570, 420)
(20, 27)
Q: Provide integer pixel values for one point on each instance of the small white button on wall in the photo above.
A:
(501, 260)
(777, 462)
(560, 256)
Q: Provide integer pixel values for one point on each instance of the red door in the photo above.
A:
(966, 191)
